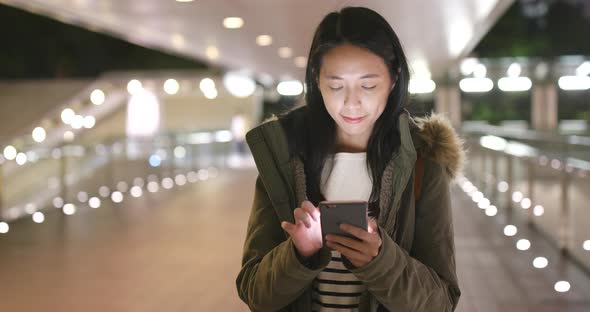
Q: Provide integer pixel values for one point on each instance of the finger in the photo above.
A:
(347, 242)
(356, 232)
(302, 217)
(289, 227)
(373, 227)
(351, 254)
(311, 209)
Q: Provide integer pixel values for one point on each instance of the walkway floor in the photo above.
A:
(180, 249)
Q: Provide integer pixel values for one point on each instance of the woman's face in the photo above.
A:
(355, 85)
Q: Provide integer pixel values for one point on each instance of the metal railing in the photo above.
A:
(74, 173)
(544, 184)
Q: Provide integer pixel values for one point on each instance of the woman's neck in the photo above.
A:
(347, 148)
(346, 144)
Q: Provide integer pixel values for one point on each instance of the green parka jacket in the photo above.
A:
(415, 268)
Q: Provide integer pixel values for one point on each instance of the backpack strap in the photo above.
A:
(419, 172)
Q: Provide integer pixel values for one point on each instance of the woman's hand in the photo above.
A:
(358, 252)
(306, 233)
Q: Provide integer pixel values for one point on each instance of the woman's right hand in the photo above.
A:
(306, 233)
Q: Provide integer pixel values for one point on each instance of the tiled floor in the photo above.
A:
(180, 250)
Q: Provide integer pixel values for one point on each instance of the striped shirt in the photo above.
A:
(336, 288)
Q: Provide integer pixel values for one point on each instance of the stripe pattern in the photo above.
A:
(336, 288)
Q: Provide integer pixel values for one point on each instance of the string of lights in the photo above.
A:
(140, 186)
(511, 230)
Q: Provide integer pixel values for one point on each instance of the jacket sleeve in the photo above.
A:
(272, 276)
(425, 279)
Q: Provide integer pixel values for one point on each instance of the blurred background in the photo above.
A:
(126, 185)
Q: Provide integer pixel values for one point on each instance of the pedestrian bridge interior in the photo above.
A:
(130, 191)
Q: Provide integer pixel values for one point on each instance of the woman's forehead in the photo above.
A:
(351, 61)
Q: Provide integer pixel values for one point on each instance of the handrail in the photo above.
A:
(527, 135)
(72, 151)
(550, 189)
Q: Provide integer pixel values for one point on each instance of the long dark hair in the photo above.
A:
(314, 140)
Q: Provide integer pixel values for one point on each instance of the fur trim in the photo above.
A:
(441, 143)
(273, 117)
(299, 177)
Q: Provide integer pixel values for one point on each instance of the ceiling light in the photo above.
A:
(584, 69)
(97, 97)
(4, 227)
(512, 84)
(134, 86)
(574, 83)
(68, 136)
(67, 115)
(421, 85)
(21, 159)
(89, 122)
(285, 52)
(264, 40)
(514, 70)
(211, 95)
(171, 86)
(10, 152)
(290, 88)
(476, 84)
(468, 65)
(178, 41)
(207, 85)
(212, 53)
(239, 85)
(78, 122)
(39, 134)
(301, 61)
(233, 22)
(480, 71)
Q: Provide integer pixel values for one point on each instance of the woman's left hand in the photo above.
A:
(358, 252)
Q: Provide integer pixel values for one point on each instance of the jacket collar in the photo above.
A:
(397, 175)
(269, 147)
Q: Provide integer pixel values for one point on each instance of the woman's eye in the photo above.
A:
(335, 88)
(369, 87)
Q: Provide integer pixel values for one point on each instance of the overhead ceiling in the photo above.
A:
(434, 33)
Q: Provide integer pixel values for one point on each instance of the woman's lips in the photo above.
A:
(353, 120)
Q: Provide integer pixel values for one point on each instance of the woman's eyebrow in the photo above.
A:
(370, 76)
(334, 77)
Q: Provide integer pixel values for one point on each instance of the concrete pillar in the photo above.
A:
(448, 101)
(1, 191)
(544, 107)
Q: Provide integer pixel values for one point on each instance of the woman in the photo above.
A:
(352, 140)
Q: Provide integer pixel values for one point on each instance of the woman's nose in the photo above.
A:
(352, 98)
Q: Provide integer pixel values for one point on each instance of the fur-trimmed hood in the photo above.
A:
(440, 142)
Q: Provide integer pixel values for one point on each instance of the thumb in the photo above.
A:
(288, 227)
(373, 227)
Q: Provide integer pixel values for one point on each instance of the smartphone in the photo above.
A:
(334, 213)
